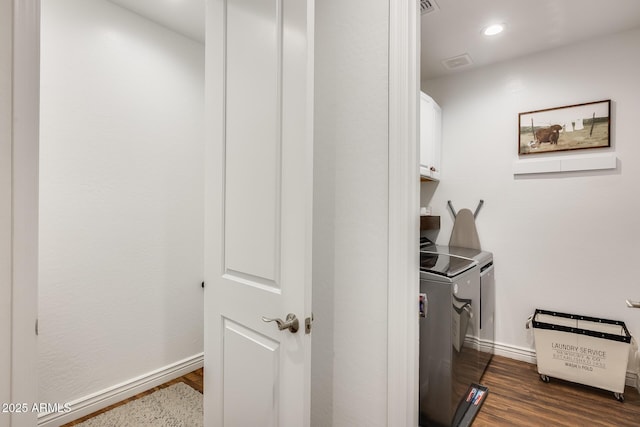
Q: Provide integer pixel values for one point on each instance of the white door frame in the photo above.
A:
(6, 66)
(404, 202)
(23, 199)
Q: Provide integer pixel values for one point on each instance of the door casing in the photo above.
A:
(23, 201)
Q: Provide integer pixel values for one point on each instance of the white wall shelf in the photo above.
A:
(565, 164)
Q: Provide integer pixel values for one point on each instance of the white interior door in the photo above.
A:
(259, 65)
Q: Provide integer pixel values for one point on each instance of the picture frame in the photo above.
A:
(572, 127)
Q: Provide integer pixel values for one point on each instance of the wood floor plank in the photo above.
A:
(517, 397)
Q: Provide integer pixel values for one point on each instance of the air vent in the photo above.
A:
(456, 62)
(427, 6)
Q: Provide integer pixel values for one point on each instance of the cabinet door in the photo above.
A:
(437, 141)
(426, 135)
(430, 137)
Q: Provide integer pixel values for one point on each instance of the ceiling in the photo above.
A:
(454, 27)
(531, 26)
(183, 16)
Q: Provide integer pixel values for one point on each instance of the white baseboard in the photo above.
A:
(529, 355)
(513, 352)
(633, 380)
(101, 399)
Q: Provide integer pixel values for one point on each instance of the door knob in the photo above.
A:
(291, 323)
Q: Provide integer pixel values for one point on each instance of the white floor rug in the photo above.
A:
(176, 406)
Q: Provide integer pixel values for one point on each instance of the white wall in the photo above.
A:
(121, 198)
(561, 241)
(349, 359)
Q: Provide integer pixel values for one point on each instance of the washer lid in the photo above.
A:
(483, 257)
(444, 264)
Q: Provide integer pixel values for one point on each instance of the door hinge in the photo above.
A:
(307, 324)
(36, 326)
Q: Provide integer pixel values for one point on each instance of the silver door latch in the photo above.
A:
(307, 324)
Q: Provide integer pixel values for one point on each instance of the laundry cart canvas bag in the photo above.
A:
(582, 349)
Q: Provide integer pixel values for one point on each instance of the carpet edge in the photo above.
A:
(176, 405)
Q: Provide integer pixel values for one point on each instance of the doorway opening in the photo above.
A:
(121, 214)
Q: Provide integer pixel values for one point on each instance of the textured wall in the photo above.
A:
(349, 359)
(562, 241)
(121, 198)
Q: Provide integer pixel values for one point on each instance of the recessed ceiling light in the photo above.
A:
(494, 29)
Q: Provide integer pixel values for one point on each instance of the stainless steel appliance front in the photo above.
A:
(456, 336)
(447, 364)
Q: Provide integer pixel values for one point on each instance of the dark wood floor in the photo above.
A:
(516, 397)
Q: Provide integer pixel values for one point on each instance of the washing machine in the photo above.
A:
(454, 332)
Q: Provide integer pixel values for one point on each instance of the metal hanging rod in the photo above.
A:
(453, 211)
(480, 203)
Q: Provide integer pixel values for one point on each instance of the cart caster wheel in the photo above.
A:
(619, 397)
(544, 378)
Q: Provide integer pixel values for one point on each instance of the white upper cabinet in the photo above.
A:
(430, 137)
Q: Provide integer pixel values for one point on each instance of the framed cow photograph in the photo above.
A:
(574, 127)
